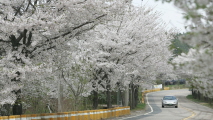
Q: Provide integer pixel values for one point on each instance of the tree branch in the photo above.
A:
(1, 40)
(146, 57)
(79, 26)
(81, 2)
(67, 82)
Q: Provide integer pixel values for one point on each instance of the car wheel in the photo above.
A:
(176, 106)
(162, 106)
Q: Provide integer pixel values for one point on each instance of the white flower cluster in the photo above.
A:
(72, 47)
(198, 62)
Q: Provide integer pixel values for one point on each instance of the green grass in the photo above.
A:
(140, 106)
(201, 102)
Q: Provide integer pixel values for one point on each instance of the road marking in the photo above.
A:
(193, 113)
(147, 99)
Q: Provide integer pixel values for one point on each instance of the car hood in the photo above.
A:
(169, 100)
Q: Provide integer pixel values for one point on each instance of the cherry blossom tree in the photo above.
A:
(132, 49)
(146, 49)
(198, 62)
(69, 48)
(32, 30)
(75, 75)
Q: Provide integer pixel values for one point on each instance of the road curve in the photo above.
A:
(187, 110)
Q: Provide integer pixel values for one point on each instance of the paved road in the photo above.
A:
(187, 110)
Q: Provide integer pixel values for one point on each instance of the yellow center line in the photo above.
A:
(193, 113)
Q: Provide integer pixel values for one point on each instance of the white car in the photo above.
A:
(169, 101)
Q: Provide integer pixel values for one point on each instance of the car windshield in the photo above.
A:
(169, 98)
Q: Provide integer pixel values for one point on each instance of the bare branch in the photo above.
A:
(146, 57)
(79, 26)
(67, 82)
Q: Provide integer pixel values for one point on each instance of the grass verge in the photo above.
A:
(140, 106)
(201, 102)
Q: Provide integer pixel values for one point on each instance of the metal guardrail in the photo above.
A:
(152, 90)
(73, 115)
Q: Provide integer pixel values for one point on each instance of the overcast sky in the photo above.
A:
(170, 14)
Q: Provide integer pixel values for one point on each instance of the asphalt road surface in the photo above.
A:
(187, 110)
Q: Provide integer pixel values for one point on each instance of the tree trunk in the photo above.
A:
(108, 92)
(122, 98)
(15, 42)
(205, 99)
(109, 104)
(5, 110)
(194, 94)
(136, 97)
(126, 96)
(118, 98)
(95, 99)
(60, 96)
(209, 100)
(133, 97)
(130, 96)
(163, 84)
(77, 103)
(199, 95)
(17, 107)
